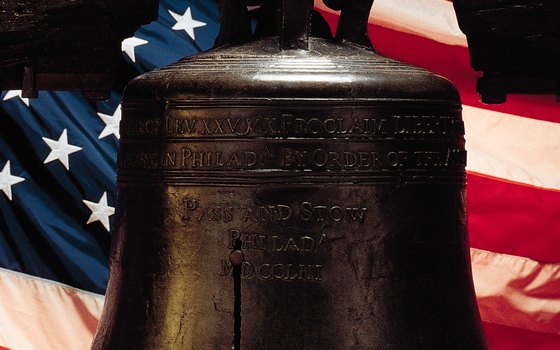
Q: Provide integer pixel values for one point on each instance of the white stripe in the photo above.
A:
(513, 148)
(432, 19)
(517, 292)
(38, 314)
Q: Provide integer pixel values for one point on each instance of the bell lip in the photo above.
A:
(260, 70)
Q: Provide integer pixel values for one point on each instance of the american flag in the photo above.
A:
(57, 184)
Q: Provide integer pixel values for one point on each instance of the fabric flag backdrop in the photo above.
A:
(57, 184)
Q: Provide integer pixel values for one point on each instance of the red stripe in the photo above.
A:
(506, 338)
(453, 62)
(513, 219)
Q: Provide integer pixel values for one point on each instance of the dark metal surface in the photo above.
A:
(514, 43)
(291, 199)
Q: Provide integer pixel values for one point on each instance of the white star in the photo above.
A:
(128, 45)
(100, 211)
(186, 22)
(111, 123)
(7, 180)
(60, 149)
(15, 93)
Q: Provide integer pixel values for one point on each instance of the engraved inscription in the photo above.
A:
(336, 213)
(436, 159)
(195, 210)
(292, 252)
(284, 124)
(292, 158)
(275, 271)
(276, 156)
(302, 243)
(371, 160)
(201, 159)
(428, 125)
(270, 213)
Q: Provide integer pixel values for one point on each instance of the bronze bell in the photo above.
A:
(291, 192)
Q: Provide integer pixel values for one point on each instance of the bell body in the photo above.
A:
(291, 199)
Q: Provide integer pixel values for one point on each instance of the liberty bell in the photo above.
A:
(286, 191)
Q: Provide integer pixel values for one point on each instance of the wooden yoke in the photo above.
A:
(66, 44)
